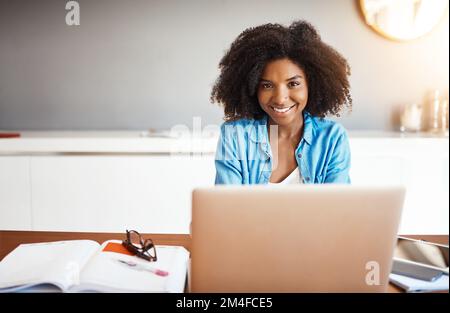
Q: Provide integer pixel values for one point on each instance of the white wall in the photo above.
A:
(151, 63)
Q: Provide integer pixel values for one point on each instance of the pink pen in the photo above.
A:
(140, 267)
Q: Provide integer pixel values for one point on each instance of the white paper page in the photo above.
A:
(57, 263)
(107, 271)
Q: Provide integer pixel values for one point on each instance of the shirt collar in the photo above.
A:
(308, 129)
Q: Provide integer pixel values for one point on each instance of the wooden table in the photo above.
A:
(9, 240)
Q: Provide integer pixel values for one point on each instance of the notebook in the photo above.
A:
(87, 266)
(410, 284)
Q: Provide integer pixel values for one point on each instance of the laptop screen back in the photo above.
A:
(301, 238)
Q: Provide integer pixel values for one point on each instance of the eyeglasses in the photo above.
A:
(143, 248)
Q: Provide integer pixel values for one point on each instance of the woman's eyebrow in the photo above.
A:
(293, 77)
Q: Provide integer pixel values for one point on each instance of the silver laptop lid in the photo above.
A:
(299, 238)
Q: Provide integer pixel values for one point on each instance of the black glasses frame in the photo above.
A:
(146, 250)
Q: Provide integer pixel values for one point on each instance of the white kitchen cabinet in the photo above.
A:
(419, 164)
(112, 193)
(15, 193)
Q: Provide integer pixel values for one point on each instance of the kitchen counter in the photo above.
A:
(108, 142)
(145, 142)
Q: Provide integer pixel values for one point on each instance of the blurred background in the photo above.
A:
(151, 63)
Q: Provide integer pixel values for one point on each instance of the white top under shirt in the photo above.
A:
(294, 178)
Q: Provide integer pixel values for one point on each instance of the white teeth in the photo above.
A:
(282, 110)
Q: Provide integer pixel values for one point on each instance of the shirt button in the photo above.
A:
(307, 178)
(300, 155)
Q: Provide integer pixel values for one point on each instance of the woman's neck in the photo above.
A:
(292, 131)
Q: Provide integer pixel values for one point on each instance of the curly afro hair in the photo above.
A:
(242, 65)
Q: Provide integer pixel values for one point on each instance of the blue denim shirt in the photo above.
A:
(244, 154)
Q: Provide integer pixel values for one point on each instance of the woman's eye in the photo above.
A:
(265, 85)
(294, 84)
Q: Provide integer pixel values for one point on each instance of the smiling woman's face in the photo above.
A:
(283, 92)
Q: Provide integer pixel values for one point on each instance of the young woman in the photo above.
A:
(276, 85)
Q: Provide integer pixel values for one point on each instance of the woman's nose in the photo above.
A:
(280, 96)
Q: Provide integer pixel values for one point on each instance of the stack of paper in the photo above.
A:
(410, 284)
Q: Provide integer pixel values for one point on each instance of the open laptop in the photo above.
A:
(299, 238)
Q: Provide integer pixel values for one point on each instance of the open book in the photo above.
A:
(86, 266)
